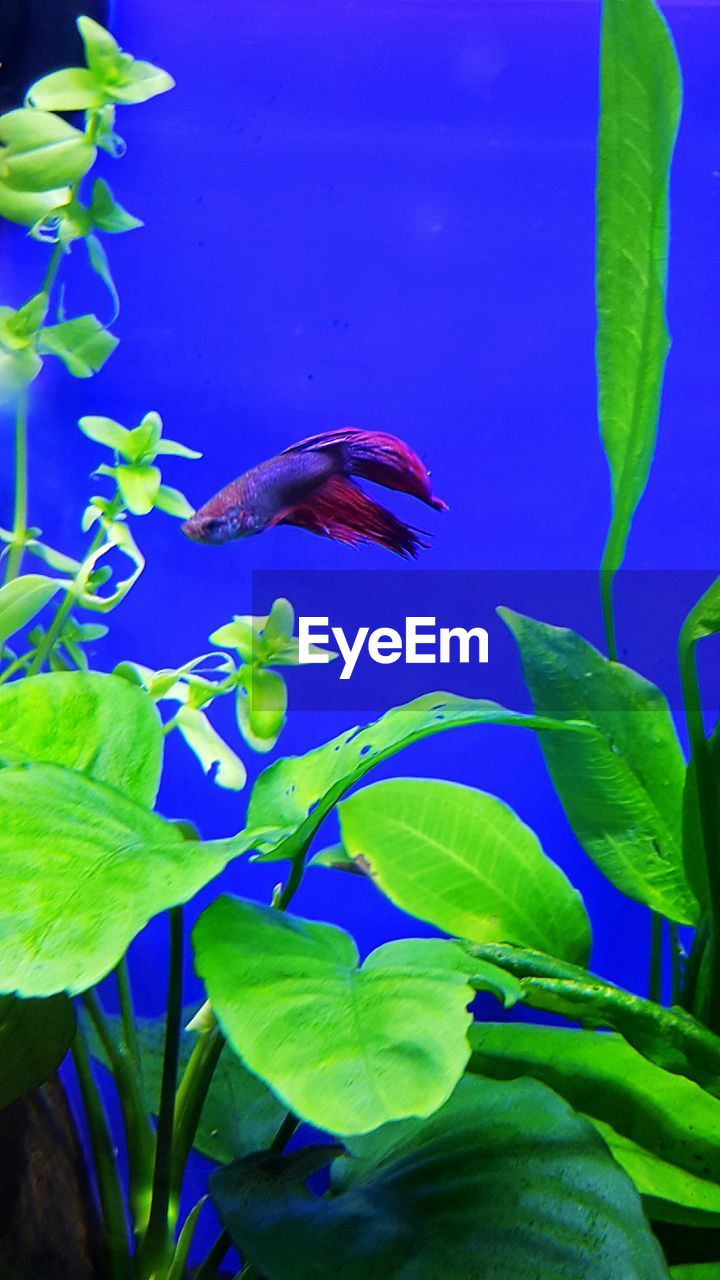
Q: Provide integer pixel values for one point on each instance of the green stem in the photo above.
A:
(157, 1245)
(136, 1122)
(15, 553)
(16, 666)
(180, 1257)
(656, 958)
(708, 813)
(108, 1182)
(122, 980)
(53, 266)
(49, 640)
(208, 1268)
(607, 586)
(190, 1100)
(677, 957)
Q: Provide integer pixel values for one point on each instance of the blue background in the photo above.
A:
(381, 214)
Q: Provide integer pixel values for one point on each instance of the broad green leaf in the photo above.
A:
(84, 869)
(41, 151)
(122, 78)
(670, 1038)
(462, 860)
(107, 214)
(261, 705)
(173, 502)
(696, 1271)
(98, 725)
(669, 1194)
(82, 344)
(505, 1182)
(23, 598)
(73, 89)
(29, 207)
(239, 1115)
(622, 789)
(139, 487)
(640, 96)
(662, 1128)
(105, 431)
(297, 793)
(215, 756)
(35, 1035)
(347, 1048)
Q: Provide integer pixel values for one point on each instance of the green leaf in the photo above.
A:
(703, 619)
(261, 705)
(669, 1194)
(173, 502)
(73, 89)
(640, 96)
(99, 263)
(35, 1035)
(346, 1048)
(17, 370)
(457, 857)
(622, 790)
(95, 724)
(670, 1038)
(84, 869)
(503, 1183)
(176, 450)
(663, 1129)
(107, 214)
(297, 793)
(29, 207)
(106, 431)
(139, 487)
(239, 1115)
(240, 635)
(144, 439)
(82, 344)
(41, 151)
(122, 78)
(214, 754)
(696, 1271)
(23, 598)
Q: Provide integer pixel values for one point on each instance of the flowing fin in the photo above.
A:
(376, 456)
(341, 511)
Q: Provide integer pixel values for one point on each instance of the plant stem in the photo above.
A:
(208, 1269)
(157, 1244)
(53, 267)
(607, 585)
(49, 640)
(190, 1099)
(122, 979)
(108, 1182)
(656, 958)
(136, 1122)
(15, 554)
(708, 812)
(15, 666)
(677, 957)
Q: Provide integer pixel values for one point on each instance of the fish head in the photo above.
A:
(213, 525)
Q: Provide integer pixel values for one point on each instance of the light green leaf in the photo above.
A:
(144, 439)
(29, 207)
(240, 635)
(105, 431)
(84, 869)
(346, 1048)
(239, 1114)
(107, 214)
(640, 96)
(176, 450)
(99, 263)
(139, 487)
(622, 790)
(669, 1194)
(35, 1035)
(297, 793)
(704, 618)
(95, 724)
(505, 1182)
(23, 598)
(173, 502)
(122, 78)
(215, 756)
(73, 89)
(463, 861)
(696, 1271)
(41, 151)
(662, 1128)
(17, 370)
(82, 344)
(119, 538)
(261, 705)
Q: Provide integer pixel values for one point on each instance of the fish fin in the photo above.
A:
(376, 456)
(341, 511)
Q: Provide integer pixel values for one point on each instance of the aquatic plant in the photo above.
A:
(455, 1147)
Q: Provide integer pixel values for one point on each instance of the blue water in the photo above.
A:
(381, 214)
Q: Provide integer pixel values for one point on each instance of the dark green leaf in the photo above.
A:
(347, 1048)
(622, 789)
(457, 857)
(503, 1183)
(35, 1035)
(640, 94)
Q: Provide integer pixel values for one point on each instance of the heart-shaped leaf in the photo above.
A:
(505, 1181)
(462, 860)
(96, 724)
(346, 1048)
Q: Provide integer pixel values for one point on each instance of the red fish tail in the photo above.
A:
(341, 511)
(379, 457)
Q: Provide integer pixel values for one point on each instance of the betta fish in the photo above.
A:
(311, 485)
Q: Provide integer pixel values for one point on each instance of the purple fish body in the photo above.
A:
(310, 485)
